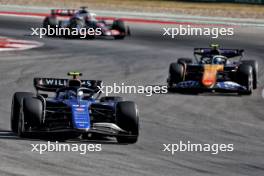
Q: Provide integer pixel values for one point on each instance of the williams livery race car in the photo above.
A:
(75, 109)
(82, 18)
(214, 70)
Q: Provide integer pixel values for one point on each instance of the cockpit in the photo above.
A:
(75, 93)
(217, 59)
(86, 15)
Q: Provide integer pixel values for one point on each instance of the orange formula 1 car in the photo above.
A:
(214, 70)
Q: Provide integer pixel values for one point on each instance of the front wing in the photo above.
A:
(225, 86)
(108, 129)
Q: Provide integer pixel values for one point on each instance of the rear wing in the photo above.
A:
(229, 53)
(63, 12)
(52, 84)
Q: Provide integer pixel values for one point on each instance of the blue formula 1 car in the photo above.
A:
(75, 108)
(214, 69)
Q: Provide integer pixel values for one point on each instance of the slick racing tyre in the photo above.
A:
(30, 115)
(254, 65)
(184, 61)
(119, 25)
(128, 120)
(33, 110)
(50, 21)
(245, 78)
(110, 98)
(15, 108)
(176, 74)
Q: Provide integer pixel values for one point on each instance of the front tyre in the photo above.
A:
(254, 65)
(50, 21)
(176, 74)
(184, 61)
(245, 78)
(128, 120)
(33, 111)
(119, 25)
(15, 109)
(30, 115)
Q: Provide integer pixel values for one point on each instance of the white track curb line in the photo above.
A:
(8, 44)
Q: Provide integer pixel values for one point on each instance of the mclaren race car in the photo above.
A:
(82, 19)
(214, 69)
(75, 109)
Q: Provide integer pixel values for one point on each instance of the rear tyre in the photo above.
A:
(128, 120)
(111, 98)
(254, 65)
(119, 25)
(184, 61)
(15, 108)
(176, 74)
(50, 21)
(245, 78)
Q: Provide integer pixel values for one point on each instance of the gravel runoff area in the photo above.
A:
(164, 6)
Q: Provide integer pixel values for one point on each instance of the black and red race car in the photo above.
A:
(82, 18)
(215, 70)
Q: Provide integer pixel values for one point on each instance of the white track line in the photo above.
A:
(8, 44)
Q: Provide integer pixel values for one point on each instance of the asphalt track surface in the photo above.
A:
(141, 59)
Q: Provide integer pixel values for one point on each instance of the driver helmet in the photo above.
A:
(218, 60)
(83, 10)
(80, 95)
